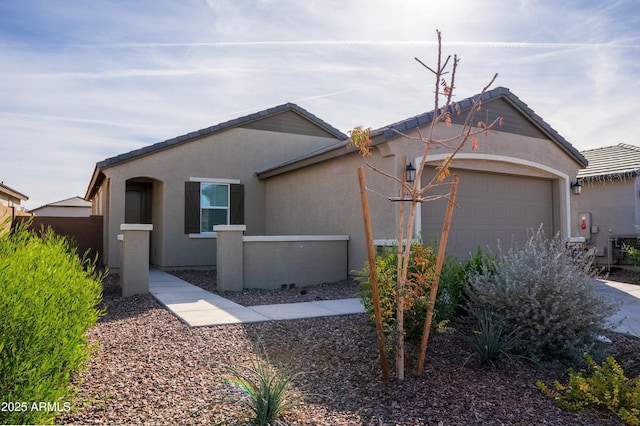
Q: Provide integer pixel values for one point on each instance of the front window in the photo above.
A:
(214, 206)
(209, 202)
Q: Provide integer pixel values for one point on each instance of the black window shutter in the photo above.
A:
(236, 215)
(192, 207)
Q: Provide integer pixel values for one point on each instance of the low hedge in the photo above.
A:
(48, 300)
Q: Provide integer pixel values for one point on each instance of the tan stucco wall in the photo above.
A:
(536, 150)
(325, 197)
(157, 236)
(6, 200)
(614, 209)
(98, 208)
(272, 263)
(234, 154)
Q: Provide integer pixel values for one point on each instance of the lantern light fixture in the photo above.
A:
(577, 186)
(410, 173)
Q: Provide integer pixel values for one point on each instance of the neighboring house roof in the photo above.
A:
(620, 161)
(12, 192)
(391, 131)
(248, 121)
(69, 202)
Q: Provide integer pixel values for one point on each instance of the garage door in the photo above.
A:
(492, 208)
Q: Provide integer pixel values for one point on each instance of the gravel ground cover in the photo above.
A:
(150, 368)
(206, 279)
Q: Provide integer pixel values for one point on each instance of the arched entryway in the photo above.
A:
(143, 205)
(138, 206)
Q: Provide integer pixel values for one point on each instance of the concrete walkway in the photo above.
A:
(198, 307)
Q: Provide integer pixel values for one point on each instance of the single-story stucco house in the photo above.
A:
(9, 197)
(186, 185)
(69, 207)
(607, 211)
(284, 171)
(11, 205)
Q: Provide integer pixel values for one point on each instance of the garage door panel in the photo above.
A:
(482, 211)
(492, 208)
(516, 211)
(499, 212)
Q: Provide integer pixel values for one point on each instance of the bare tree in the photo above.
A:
(414, 193)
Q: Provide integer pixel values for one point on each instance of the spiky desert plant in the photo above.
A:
(264, 390)
(492, 340)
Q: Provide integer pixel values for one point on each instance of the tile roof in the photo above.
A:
(68, 202)
(236, 122)
(620, 161)
(385, 133)
(465, 104)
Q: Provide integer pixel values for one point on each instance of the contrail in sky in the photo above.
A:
(269, 43)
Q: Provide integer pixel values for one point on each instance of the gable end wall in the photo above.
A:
(288, 122)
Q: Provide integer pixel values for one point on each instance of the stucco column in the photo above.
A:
(134, 259)
(229, 257)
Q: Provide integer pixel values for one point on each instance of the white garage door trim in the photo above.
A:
(565, 210)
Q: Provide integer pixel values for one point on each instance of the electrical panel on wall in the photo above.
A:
(584, 226)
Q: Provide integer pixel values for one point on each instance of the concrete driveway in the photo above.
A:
(627, 320)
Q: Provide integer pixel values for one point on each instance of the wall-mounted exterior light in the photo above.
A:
(577, 187)
(410, 173)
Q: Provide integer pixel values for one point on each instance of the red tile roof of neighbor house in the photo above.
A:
(620, 161)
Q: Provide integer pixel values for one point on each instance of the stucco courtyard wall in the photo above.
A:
(276, 261)
(269, 262)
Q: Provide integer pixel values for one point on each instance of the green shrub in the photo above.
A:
(606, 387)
(453, 279)
(634, 255)
(450, 289)
(48, 298)
(547, 294)
(480, 263)
(416, 296)
(420, 276)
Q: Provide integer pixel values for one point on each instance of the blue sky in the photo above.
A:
(81, 81)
